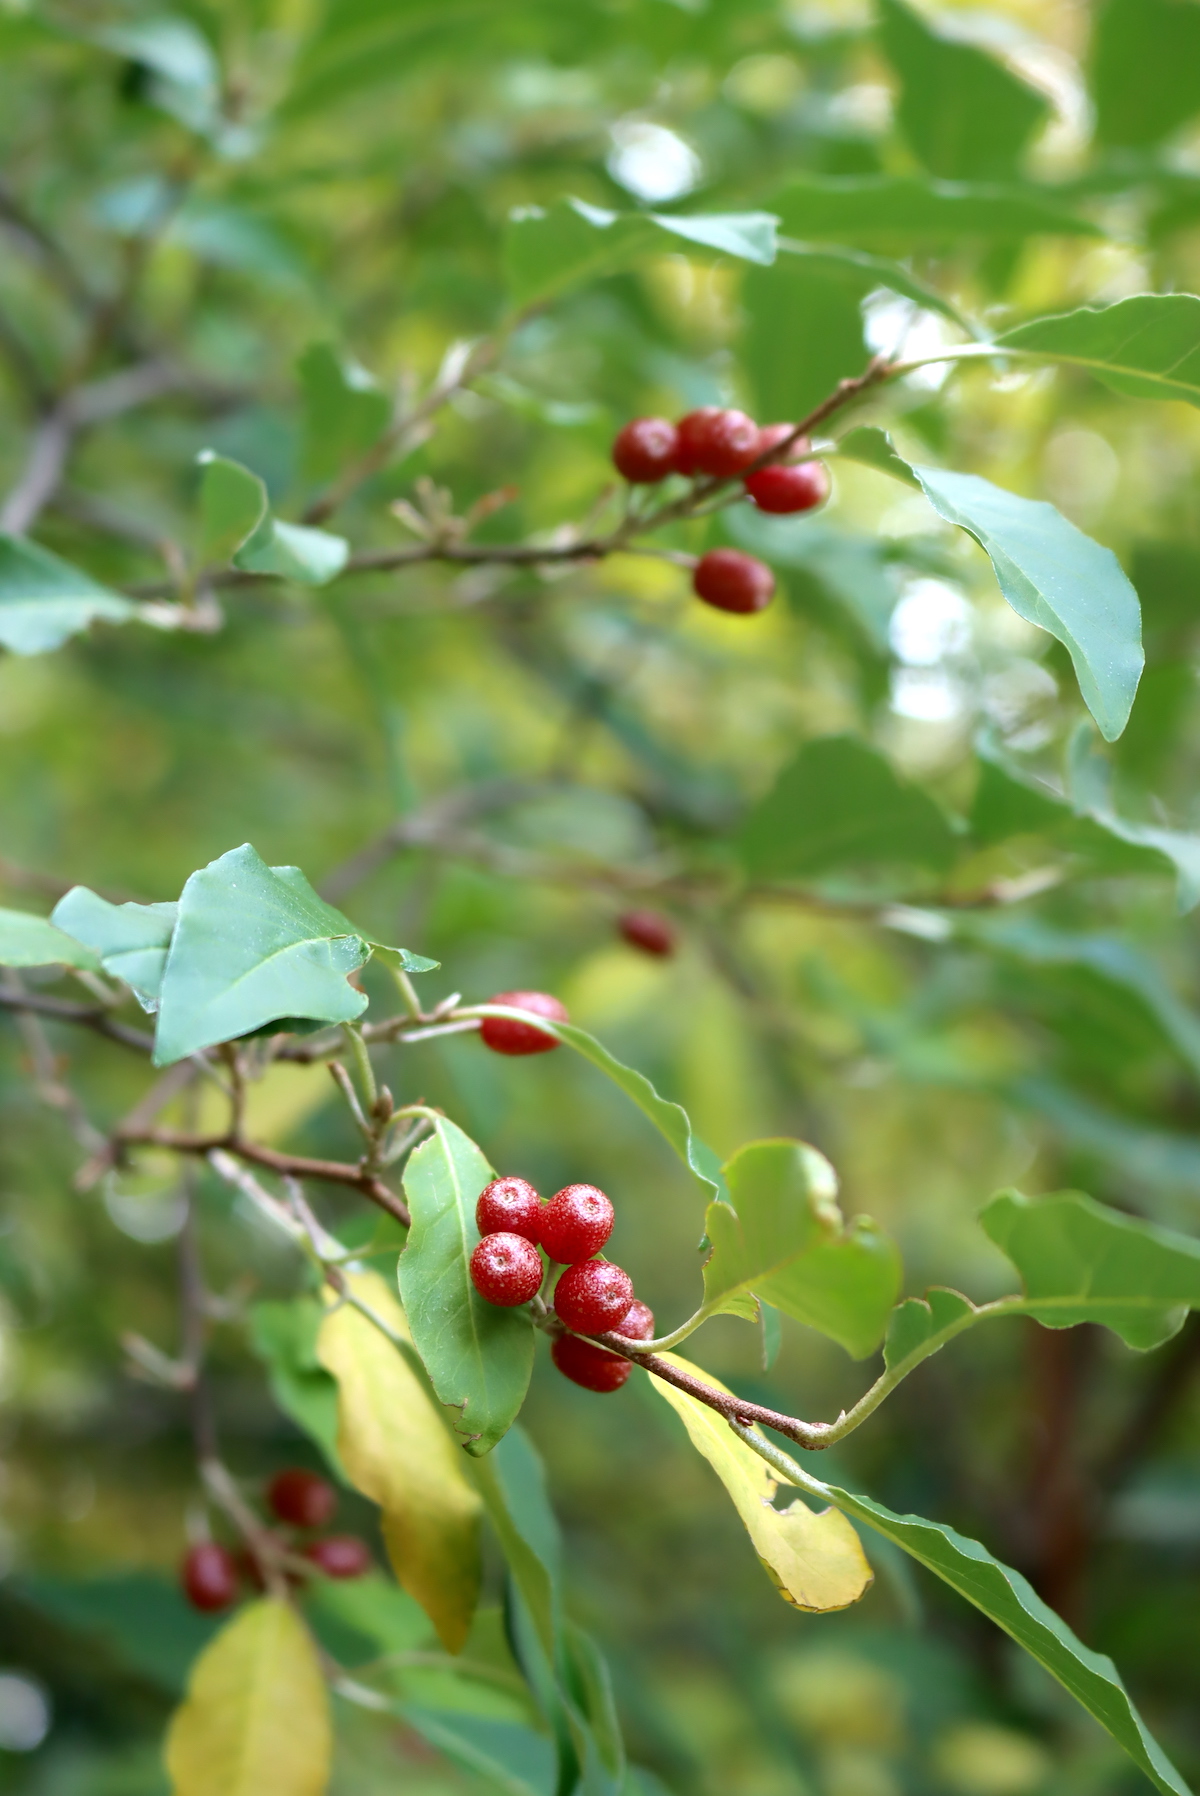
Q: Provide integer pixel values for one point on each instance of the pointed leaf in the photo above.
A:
(478, 1356)
(785, 1241)
(256, 1716)
(874, 448)
(293, 552)
(512, 1483)
(919, 1320)
(130, 939)
(513, 1760)
(1147, 346)
(29, 941)
(815, 1561)
(44, 600)
(871, 272)
(253, 944)
(873, 209)
(344, 411)
(748, 235)
(1145, 73)
(1058, 578)
(233, 503)
(1082, 1262)
(397, 1450)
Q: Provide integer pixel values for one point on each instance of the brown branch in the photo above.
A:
(734, 1409)
(87, 1016)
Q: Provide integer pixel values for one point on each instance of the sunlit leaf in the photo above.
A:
(873, 447)
(44, 600)
(1145, 70)
(131, 940)
(256, 1717)
(872, 209)
(1083, 1262)
(29, 941)
(398, 1451)
(478, 1355)
(815, 1561)
(233, 503)
(293, 552)
(785, 1240)
(344, 410)
(1147, 346)
(803, 332)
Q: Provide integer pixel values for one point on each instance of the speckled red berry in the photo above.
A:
(505, 1035)
(637, 1324)
(715, 441)
(590, 1366)
(644, 452)
(783, 489)
(772, 435)
(509, 1206)
(209, 1576)
(593, 1297)
(731, 581)
(302, 1498)
(506, 1269)
(648, 930)
(576, 1223)
(340, 1555)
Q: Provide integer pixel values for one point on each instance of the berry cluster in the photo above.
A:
(722, 444)
(212, 1576)
(591, 1297)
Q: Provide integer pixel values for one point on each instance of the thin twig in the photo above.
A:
(296, 1166)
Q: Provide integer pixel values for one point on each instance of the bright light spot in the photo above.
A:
(651, 162)
(142, 1209)
(899, 327)
(931, 622)
(24, 1712)
(1082, 471)
(1018, 693)
(765, 84)
(926, 694)
(865, 108)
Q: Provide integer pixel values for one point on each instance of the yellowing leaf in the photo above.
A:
(815, 1560)
(398, 1451)
(256, 1716)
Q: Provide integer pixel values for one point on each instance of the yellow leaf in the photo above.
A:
(256, 1715)
(816, 1561)
(397, 1450)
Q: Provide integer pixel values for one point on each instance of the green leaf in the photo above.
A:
(233, 503)
(671, 1120)
(142, 1618)
(1082, 1262)
(479, 1357)
(293, 552)
(1007, 1599)
(1145, 70)
(839, 807)
(872, 272)
(44, 600)
(513, 1760)
(130, 939)
(256, 1716)
(847, 567)
(344, 411)
(874, 448)
(284, 1336)
(29, 941)
(785, 1240)
(750, 236)
(816, 1562)
(386, 1618)
(1056, 577)
(1147, 346)
(591, 1682)
(804, 332)
(172, 46)
(893, 209)
(963, 113)
(512, 1483)
(253, 944)
(918, 1320)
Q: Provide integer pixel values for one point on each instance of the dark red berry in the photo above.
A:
(637, 1324)
(732, 581)
(504, 1035)
(593, 1297)
(576, 1223)
(780, 488)
(715, 441)
(302, 1498)
(340, 1555)
(772, 435)
(509, 1206)
(648, 930)
(644, 451)
(506, 1269)
(592, 1367)
(209, 1576)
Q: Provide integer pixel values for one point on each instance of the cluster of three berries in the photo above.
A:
(592, 1296)
(211, 1575)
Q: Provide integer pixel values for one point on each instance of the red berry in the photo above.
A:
(509, 1206)
(644, 451)
(209, 1576)
(732, 581)
(302, 1498)
(506, 1269)
(715, 441)
(637, 1324)
(340, 1555)
(593, 1296)
(780, 488)
(772, 435)
(504, 1035)
(576, 1223)
(592, 1367)
(648, 930)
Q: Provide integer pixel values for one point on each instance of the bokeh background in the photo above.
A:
(564, 740)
